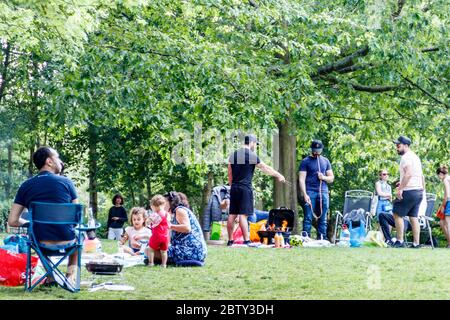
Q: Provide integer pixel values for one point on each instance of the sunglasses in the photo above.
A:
(385, 174)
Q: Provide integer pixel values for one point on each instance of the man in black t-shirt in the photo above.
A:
(241, 166)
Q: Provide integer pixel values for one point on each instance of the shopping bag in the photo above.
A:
(216, 229)
(13, 267)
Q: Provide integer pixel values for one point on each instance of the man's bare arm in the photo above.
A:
(270, 171)
(14, 219)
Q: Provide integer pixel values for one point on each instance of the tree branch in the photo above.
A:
(360, 87)
(431, 49)
(341, 64)
(400, 4)
(425, 92)
(373, 89)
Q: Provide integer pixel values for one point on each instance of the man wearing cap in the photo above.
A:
(409, 192)
(314, 175)
(241, 166)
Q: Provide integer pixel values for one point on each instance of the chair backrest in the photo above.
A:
(431, 200)
(357, 199)
(56, 213)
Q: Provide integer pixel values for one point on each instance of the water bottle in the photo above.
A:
(91, 220)
(344, 238)
(98, 247)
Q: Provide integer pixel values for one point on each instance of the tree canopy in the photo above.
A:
(111, 84)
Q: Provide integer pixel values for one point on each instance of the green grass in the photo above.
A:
(297, 273)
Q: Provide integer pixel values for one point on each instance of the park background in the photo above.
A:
(111, 84)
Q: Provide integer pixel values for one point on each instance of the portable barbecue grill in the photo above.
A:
(275, 224)
(104, 268)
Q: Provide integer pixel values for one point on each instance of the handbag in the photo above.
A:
(440, 213)
(386, 207)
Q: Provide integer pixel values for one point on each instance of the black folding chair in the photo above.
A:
(54, 215)
(354, 200)
(424, 220)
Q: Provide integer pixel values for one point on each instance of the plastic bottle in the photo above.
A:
(278, 241)
(344, 238)
(98, 247)
(91, 220)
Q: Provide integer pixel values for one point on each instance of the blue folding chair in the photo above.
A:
(52, 215)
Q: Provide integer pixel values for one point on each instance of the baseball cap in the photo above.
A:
(316, 146)
(251, 138)
(403, 140)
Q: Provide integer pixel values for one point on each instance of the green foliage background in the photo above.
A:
(119, 78)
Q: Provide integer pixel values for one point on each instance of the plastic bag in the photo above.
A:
(13, 267)
(19, 240)
(357, 235)
(254, 228)
(238, 237)
(216, 229)
(374, 239)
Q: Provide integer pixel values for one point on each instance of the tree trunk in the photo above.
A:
(30, 161)
(285, 195)
(207, 188)
(133, 201)
(4, 74)
(93, 195)
(148, 184)
(8, 184)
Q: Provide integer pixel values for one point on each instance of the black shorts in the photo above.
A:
(409, 205)
(241, 200)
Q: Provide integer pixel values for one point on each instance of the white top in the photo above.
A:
(412, 160)
(131, 232)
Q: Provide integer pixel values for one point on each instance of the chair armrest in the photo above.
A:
(87, 229)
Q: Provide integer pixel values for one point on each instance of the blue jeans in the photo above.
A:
(308, 214)
(381, 207)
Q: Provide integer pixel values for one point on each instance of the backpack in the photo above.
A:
(355, 216)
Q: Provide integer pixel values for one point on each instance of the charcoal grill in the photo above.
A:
(276, 218)
(104, 268)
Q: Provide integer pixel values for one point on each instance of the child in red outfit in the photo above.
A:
(159, 223)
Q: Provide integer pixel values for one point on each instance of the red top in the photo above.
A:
(161, 227)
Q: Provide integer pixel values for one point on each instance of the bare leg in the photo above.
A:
(399, 227)
(415, 229)
(72, 267)
(127, 249)
(446, 223)
(230, 226)
(151, 257)
(244, 226)
(163, 258)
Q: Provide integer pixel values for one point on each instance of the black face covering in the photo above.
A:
(401, 152)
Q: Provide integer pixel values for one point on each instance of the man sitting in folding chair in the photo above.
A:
(49, 187)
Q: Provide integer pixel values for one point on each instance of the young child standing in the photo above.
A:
(137, 233)
(159, 223)
(442, 173)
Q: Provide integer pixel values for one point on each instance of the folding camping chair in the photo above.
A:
(424, 220)
(54, 214)
(354, 200)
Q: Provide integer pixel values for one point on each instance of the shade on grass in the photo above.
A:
(297, 273)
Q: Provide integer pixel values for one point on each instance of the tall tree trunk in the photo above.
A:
(9, 178)
(4, 74)
(286, 194)
(93, 195)
(207, 188)
(148, 184)
(133, 201)
(30, 160)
